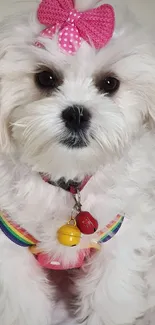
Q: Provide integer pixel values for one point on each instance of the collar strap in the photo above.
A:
(110, 230)
(21, 237)
(103, 235)
(15, 233)
(71, 186)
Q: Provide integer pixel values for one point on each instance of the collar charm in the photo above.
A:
(71, 234)
(79, 222)
(83, 223)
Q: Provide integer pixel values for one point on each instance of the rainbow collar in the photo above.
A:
(15, 233)
(21, 237)
(110, 230)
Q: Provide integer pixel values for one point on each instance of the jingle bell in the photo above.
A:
(86, 223)
(69, 235)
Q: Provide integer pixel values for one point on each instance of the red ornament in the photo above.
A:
(86, 223)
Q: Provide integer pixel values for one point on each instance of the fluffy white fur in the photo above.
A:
(116, 286)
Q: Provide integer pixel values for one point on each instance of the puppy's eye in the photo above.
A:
(108, 85)
(48, 80)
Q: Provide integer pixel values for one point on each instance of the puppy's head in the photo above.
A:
(66, 115)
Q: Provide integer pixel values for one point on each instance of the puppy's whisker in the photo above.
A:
(84, 138)
(16, 124)
(98, 141)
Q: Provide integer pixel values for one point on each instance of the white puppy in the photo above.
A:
(69, 116)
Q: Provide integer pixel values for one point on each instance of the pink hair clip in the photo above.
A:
(95, 26)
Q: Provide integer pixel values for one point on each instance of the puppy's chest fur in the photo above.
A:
(124, 187)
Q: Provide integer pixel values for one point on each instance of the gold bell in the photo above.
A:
(69, 234)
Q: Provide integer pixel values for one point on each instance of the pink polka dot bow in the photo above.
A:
(95, 26)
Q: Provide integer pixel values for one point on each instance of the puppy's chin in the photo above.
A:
(60, 161)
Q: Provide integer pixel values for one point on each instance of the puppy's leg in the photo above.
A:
(114, 291)
(25, 295)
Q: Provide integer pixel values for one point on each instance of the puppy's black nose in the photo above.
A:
(76, 117)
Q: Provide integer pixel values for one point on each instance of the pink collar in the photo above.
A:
(21, 237)
(70, 186)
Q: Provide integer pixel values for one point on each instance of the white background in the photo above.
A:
(144, 9)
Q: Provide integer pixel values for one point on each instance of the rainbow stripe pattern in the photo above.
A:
(110, 230)
(19, 236)
(15, 233)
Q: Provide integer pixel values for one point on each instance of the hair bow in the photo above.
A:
(95, 26)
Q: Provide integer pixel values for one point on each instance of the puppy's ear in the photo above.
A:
(6, 96)
(5, 44)
(16, 34)
(150, 102)
(8, 41)
(146, 84)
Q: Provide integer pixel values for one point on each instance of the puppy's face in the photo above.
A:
(68, 115)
